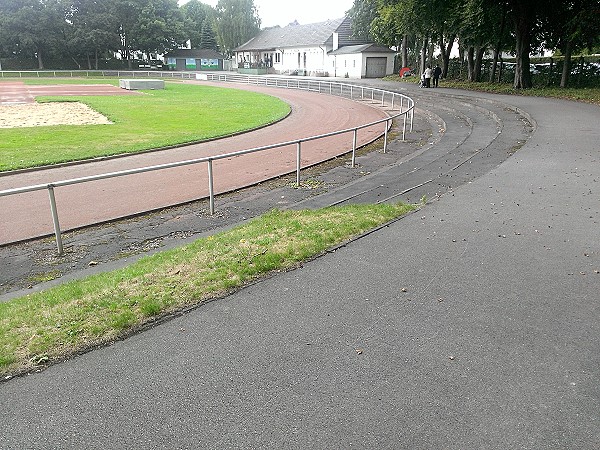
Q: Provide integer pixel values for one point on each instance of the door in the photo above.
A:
(376, 67)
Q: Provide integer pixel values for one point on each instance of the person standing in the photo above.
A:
(428, 73)
(436, 75)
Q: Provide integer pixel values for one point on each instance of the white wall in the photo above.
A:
(347, 66)
(319, 63)
(311, 59)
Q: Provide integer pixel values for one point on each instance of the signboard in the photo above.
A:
(190, 63)
(209, 63)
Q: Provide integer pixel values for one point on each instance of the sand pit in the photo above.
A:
(48, 114)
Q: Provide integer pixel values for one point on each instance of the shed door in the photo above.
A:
(376, 67)
(180, 64)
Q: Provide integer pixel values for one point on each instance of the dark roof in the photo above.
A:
(362, 48)
(294, 35)
(197, 53)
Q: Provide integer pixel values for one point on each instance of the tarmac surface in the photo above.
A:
(471, 323)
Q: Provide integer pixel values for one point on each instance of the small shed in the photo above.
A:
(363, 61)
(194, 59)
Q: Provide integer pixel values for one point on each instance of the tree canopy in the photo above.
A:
(516, 26)
(84, 30)
(76, 29)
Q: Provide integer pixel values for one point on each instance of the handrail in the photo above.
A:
(334, 88)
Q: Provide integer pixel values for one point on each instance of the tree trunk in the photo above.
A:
(498, 48)
(461, 59)
(580, 72)
(500, 71)
(478, 61)
(471, 63)
(405, 50)
(424, 54)
(96, 59)
(39, 59)
(524, 17)
(566, 72)
(446, 50)
(494, 65)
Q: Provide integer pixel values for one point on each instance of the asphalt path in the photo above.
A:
(472, 323)
(100, 201)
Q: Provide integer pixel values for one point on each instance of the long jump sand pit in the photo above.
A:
(19, 109)
(48, 114)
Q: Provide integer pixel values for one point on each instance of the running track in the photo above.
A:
(27, 216)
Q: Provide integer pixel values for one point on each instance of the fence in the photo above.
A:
(394, 100)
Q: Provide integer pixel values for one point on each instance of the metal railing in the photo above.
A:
(395, 100)
(95, 74)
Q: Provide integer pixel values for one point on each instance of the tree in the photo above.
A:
(94, 29)
(196, 16)
(236, 22)
(35, 27)
(207, 38)
(158, 28)
(363, 13)
(523, 15)
(481, 24)
(571, 27)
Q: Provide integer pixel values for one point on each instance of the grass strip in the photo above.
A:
(179, 114)
(50, 325)
(588, 95)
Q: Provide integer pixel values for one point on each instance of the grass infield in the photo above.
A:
(62, 321)
(179, 114)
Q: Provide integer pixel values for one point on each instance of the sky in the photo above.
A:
(282, 12)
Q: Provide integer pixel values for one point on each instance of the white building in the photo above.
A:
(318, 49)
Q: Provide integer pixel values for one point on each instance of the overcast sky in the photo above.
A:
(282, 12)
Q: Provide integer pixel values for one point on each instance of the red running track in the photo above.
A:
(17, 92)
(27, 216)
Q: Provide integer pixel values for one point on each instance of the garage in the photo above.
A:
(376, 67)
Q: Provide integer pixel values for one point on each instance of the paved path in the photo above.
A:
(493, 345)
(100, 201)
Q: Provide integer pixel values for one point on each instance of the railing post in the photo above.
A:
(404, 129)
(385, 137)
(354, 139)
(211, 189)
(412, 116)
(393, 100)
(59, 243)
(383, 98)
(298, 162)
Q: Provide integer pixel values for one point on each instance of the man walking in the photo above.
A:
(436, 75)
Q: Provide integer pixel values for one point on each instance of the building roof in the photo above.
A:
(196, 53)
(295, 35)
(362, 48)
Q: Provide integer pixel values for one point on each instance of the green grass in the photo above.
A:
(78, 315)
(182, 113)
(588, 95)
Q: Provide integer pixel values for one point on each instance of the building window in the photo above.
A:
(277, 57)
